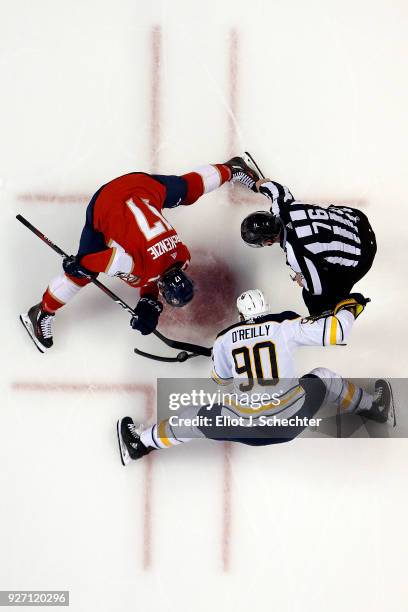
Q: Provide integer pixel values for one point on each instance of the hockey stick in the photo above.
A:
(196, 350)
(184, 346)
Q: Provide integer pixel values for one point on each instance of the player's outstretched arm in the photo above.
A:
(354, 303)
(147, 313)
(327, 330)
(330, 328)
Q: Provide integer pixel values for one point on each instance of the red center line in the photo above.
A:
(155, 137)
(148, 490)
(54, 198)
(71, 387)
(155, 97)
(227, 508)
(236, 195)
(149, 394)
(232, 137)
(234, 198)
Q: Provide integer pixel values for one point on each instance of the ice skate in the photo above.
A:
(38, 324)
(382, 409)
(130, 446)
(244, 171)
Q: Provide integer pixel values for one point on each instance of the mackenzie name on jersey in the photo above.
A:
(163, 246)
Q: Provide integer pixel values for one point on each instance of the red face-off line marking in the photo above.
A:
(149, 396)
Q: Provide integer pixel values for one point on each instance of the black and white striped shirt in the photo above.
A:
(314, 236)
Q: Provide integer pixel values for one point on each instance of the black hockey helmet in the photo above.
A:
(176, 287)
(258, 227)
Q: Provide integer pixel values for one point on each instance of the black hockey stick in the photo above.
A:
(184, 346)
(196, 350)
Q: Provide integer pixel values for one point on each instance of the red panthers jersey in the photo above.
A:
(141, 243)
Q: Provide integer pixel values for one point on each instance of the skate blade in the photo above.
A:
(29, 328)
(392, 415)
(252, 163)
(124, 453)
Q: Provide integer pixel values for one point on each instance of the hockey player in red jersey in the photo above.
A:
(126, 235)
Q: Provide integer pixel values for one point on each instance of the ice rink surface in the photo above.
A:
(91, 90)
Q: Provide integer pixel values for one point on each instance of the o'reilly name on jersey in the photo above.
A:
(249, 333)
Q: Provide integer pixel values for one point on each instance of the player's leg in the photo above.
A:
(352, 399)
(188, 188)
(40, 317)
(135, 441)
(207, 178)
(252, 434)
(61, 290)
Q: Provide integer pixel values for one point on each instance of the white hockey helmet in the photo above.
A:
(252, 304)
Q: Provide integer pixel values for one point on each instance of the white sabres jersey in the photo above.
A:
(256, 358)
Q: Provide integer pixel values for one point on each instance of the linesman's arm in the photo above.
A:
(306, 273)
(278, 194)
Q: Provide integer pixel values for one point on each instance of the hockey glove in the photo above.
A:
(354, 303)
(147, 314)
(72, 267)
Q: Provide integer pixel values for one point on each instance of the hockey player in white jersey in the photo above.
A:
(255, 357)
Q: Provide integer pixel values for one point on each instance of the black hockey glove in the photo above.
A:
(354, 303)
(72, 267)
(147, 313)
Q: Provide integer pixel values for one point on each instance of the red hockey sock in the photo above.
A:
(60, 291)
(50, 303)
(224, 171)
(204, 180)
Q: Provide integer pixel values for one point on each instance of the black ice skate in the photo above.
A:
(130, 446)
(244, 171)
(38, 323)
(382, 409)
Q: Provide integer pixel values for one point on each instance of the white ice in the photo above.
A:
(322, 97)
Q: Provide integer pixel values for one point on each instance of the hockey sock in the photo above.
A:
(353, 398)
(343, 393)
(205, 179)
(60, 291)
(164, 435)
(160, 436)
